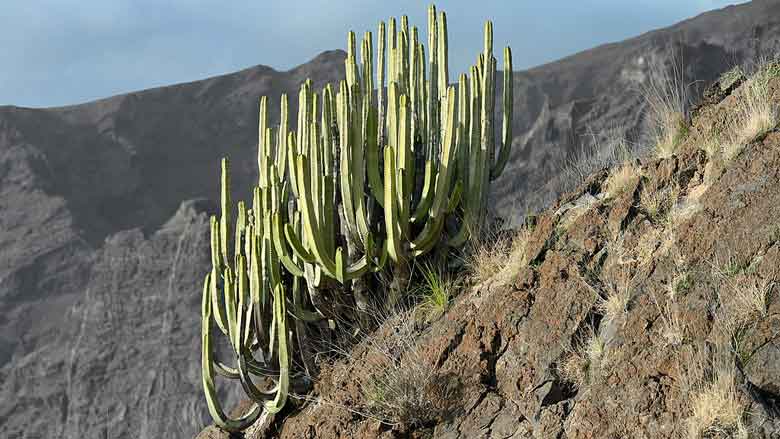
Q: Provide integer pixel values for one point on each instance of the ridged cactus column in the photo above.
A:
(410, 155)
(244, 296)
(376, 172)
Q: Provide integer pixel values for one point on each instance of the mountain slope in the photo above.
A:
(559, 105)
(643, 304)
(102, 255)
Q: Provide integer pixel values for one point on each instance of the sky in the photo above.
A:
(63, 52)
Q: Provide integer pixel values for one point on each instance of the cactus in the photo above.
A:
(368, 178)
(430, 154)
(245, 297)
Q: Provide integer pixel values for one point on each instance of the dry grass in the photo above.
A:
(497, 255)
(666, 97)
(711, 144)
(402, 387)
(673, 330)
(674, 131)
(744, 297)
(717, 406)
(620, 179)
(674, 327)
(730, 77)
(583, 359)
(615, 305)
(753, 296)
(658, 203)
(607, 149)
(755, 114)
(653, 201)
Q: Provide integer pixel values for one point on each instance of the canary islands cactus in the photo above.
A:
(375, 175)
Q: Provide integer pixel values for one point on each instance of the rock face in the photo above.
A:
(102, 256)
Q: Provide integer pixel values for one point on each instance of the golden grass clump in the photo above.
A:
(743, 297)
(673, 330)
(620, 179)
(755, 114)
(674, 131)
(497, 255)
(659, 202)
(583, 358)
(730, 77)
(615, 305)
(717, 407)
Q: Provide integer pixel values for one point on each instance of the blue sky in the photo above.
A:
(59, 52)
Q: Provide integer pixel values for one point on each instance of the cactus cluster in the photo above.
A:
(375, 175)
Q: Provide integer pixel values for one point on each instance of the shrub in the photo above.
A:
(403, 388)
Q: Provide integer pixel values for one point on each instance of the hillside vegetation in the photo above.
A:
(642, 304)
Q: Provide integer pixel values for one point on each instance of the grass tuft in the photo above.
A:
(620, 179)
(583, 358)
(615, 305)
(606, 150)
(403, 388)
(658, 203)
(666, 97)
(496, 255)
(730, 77)
(717, 407)
(435, 292)
(754, 116)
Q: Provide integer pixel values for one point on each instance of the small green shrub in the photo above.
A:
(435, 292)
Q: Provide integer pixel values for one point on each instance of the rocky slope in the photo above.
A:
(622, 310)
(103, 207)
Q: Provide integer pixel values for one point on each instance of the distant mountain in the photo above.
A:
(103, 216)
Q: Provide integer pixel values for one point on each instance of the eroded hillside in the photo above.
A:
(643, 304)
